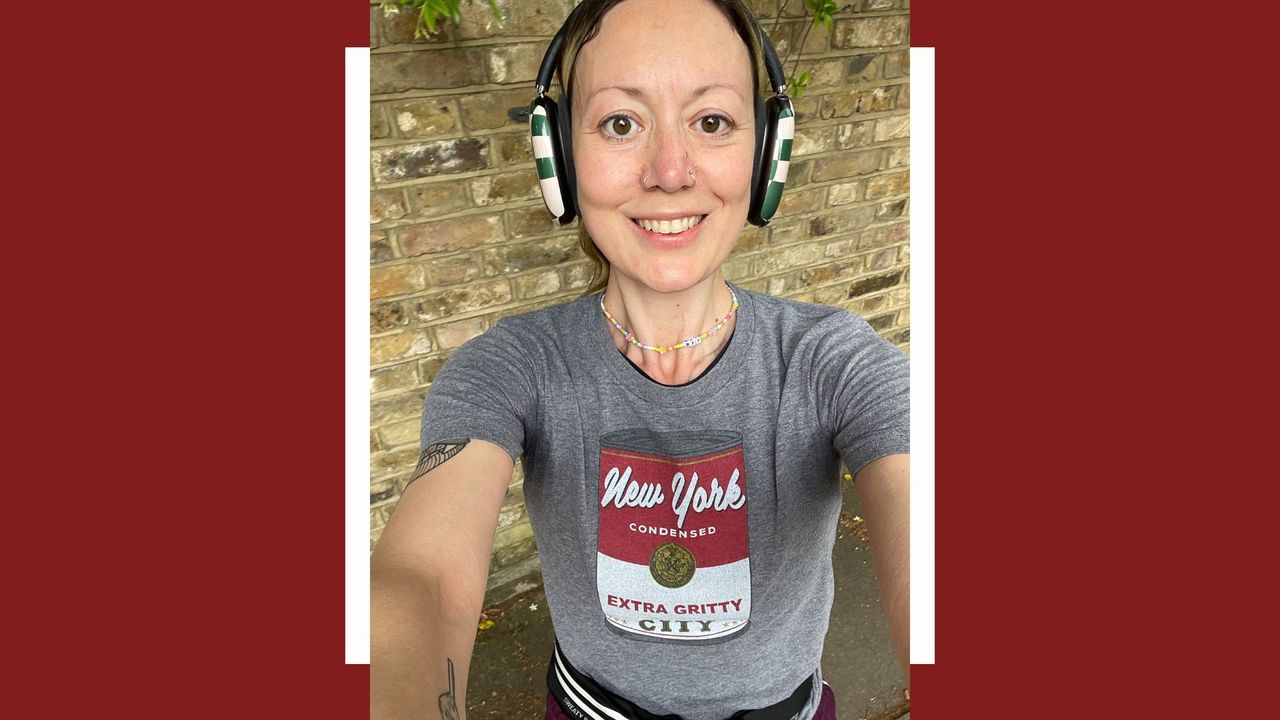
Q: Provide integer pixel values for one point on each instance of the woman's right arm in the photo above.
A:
(427, 581)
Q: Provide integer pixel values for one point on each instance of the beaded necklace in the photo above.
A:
(696, 339)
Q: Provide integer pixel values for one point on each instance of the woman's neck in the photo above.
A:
(658, 318)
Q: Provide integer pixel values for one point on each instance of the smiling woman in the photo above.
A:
(671, 134)
(681, 436)
(665, 131)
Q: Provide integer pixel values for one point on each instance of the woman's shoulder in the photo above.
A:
(821, 340)
(515, 350)
(794, 321)
(531, 330)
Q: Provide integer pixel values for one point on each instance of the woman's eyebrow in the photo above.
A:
(638, 93)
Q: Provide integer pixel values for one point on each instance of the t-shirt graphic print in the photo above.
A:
(673, 562)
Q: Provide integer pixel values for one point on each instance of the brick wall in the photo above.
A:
(460, 238)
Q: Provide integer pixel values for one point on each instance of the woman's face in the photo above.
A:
(664, 88)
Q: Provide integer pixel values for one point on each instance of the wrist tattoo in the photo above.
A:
(448, 702)
(435, 456)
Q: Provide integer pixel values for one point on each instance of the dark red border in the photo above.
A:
(1085, 462)
(175, 487)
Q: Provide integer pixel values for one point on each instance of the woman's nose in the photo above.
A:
(669, 164)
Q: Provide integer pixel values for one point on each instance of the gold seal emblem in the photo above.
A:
(671, 565)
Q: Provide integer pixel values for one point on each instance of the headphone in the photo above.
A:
(553, 149)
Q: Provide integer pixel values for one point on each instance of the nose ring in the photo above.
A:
(644, 180)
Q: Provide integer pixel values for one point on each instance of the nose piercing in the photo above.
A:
(644, 180)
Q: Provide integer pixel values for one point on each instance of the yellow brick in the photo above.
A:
(385, 281)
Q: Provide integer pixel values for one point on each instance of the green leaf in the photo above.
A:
(497, 14)
(430, 10)
(796, 85)
(432, 13)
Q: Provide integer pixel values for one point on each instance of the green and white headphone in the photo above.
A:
(553, 150)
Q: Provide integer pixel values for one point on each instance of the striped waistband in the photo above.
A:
(582, 698)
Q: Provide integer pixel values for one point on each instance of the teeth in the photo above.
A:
(667, 227)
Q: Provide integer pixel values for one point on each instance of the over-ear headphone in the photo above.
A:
(549, 129)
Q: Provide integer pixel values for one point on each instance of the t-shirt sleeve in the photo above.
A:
(863, 391)
(486, 390)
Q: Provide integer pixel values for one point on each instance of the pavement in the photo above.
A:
(509, 665)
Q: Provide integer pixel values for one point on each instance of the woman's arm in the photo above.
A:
(884, 494)
(427, 581)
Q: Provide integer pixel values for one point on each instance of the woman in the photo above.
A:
(681, 437)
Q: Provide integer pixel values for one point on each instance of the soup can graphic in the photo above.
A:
(673, 562)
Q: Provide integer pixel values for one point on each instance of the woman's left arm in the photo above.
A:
(883, 493)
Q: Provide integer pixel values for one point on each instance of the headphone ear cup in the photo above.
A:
(775, 161)
(553, 179)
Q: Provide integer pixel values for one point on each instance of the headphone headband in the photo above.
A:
(547, 70)
(772, 65)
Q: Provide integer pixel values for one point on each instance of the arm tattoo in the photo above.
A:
(435, 456)
(448, 703)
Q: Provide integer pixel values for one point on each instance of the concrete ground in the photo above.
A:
(509, 666)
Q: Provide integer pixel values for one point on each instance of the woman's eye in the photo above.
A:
(714, 124)
(618, 126)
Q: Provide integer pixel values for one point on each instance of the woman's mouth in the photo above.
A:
(670, 234)
(669, 227)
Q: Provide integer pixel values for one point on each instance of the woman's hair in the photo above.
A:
(584, 26)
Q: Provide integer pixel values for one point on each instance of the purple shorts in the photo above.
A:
(826, 708)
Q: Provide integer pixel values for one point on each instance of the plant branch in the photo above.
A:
(778, 18)
(799, 48)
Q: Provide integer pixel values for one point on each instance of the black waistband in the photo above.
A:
(582, 698)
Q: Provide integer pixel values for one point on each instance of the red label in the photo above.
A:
(698, 502)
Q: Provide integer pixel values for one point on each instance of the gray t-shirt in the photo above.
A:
(685, 532)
